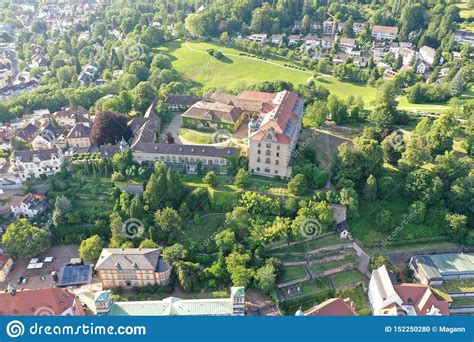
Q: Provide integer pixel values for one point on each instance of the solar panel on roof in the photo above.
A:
(75, 275)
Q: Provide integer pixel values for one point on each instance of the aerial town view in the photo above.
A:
(237, 158)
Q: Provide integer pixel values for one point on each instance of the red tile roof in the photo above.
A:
(42, 302)
(256, 96)
(333, 307)
(421, 297)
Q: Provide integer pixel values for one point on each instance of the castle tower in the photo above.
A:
(103, 303)
(237, 295)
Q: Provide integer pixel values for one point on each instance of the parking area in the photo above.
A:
(41, 278)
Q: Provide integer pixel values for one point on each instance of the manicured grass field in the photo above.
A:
(232, 72)
(292, 272)
(345, 278)
(195, 137)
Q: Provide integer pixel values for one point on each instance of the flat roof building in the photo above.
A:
(436, 268)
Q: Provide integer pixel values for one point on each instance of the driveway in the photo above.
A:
(174, 127)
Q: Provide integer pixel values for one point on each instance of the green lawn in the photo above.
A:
(345, 278)
(315, 286)
(195, 137)
(292, 272)
(236, 72)
(349, 259)
(233, 72)
(466, 12)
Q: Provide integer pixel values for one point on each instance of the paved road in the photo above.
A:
(174, 127)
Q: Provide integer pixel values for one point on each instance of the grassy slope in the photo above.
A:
(236, 72)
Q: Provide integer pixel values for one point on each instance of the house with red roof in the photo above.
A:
(331, 307)
(41, 302)
(390, 299)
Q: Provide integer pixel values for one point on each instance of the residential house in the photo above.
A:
(89, 74)
(234, 305)
(29, 132)
(37, 162)
(464, 37)
(340, 58)
(40, 302)
(427, 55)
(277, 39)
(30, 206)
(409, 55)
(127, 267)
(329, 27)
(213, 115)
(347, 43)
(380, 32)
(46, 137)
(258, 38)
(273, 137)
(311, 41)
(297, 26)
(331, 307)
(71, 117)
(79, 137)
(6, 264)
(456, 56)
(423, 68)
(294, 39)
(180, 103)
(436, 268)
(390, 299)
(358, 27)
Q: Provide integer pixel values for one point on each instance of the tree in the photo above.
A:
(350, 199)
(168, 219)
(348, 30)
(188, 275)
(24, 240)
(393, 146)
(225, 241)
(377, 261)
(91, 248)
(265, 278)
(142, 96)
(210, 179)
(174, 253)
(441, 135)
(136, 207)
(110, 128)
(421, 185)
(242, 179)
(148, 243)
(236, 266)
(385, 111)
(370, 189)
(174, 188)
(337, 109)
(297, 185)
(62, 206)
(122, 160)
(118, 231)
(457, 227)
(168, 138)
(449, 167)
(457, 84)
